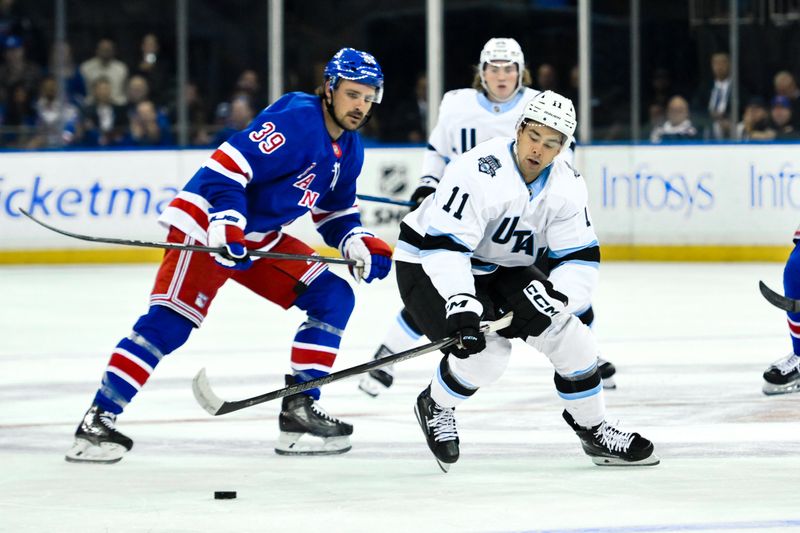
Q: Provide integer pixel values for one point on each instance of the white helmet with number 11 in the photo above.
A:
(551, 109)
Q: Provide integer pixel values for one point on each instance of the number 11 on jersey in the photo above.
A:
(450, 201)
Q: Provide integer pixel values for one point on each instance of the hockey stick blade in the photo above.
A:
(779, 301)
(212, 403)
(192, 247)
(382, 200)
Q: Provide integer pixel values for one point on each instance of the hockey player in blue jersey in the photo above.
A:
(783, 376)
(300, 154)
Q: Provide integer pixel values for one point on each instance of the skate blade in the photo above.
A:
(307, 444)
(770, 389)
(614, 461)
(609, 383)
(83, 451)
(444, 466)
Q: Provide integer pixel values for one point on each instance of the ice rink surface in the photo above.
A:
(690, 343)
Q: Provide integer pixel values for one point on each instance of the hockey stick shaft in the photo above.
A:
(781, 302)
(382, 200)
(191, 247)
(216, 406)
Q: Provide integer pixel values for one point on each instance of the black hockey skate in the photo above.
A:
(608, 446)
(376, 381)
(97, 440)
(439, 426)
(306, 429)
(607, 371)
(783, 376)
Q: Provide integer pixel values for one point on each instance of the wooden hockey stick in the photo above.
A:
(781, 302)
(382, 200)
(194, 247)
(216, 406)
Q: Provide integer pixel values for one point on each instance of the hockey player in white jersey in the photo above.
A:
(468, 252)
(467, 117)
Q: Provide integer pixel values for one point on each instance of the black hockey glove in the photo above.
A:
(533, 306)
(427, 186)
(464, 321)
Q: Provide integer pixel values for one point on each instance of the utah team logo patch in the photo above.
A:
(488, 165)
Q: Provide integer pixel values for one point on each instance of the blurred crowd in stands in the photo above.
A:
(112, 103)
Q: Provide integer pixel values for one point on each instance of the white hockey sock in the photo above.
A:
(400, 337)
(587, 412)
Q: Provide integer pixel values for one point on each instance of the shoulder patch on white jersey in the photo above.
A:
(489, 165)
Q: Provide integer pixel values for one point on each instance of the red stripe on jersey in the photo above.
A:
(319, 217)
(192, 210)
(307, 357)
(268, 238)
(129, 367)
(225, 160)
(794, 327)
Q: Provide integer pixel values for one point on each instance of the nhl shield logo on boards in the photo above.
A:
(394, 179)
(489, 165)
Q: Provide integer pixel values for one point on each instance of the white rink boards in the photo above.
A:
(689, 341)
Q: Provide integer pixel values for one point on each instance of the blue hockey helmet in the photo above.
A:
(355, 65)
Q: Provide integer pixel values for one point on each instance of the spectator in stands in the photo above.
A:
(678, 126)
(714, 98)
(409, 120)
(136, 91)
(755, 122)
(57, 123)
(197, 115)
(18, 117)
(17, 70)
(147, 127)
(546, 78)
(248, 86)
(61, 63)
(240, 116)
(781, 117)
(103, 64)
(786, 85)
(661, 87)
(103, 121)
(153, 67)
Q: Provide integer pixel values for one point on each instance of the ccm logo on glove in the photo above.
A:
(537, 294)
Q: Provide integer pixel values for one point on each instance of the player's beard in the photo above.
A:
(356, 115)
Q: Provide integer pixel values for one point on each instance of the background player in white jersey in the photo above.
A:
(783, 376)
(467, 117)
(468, 252)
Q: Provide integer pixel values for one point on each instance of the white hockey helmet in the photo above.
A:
(551, 109)
(502, 51)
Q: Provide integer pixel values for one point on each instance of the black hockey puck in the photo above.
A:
(225, 495)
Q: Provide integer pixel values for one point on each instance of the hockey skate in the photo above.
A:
(608, 446)
(783, 376)
(607, 371)
(439, 426)
(97, 440)
(306, 429)
(376, 381)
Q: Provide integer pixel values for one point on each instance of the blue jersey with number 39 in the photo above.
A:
(274, 171)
